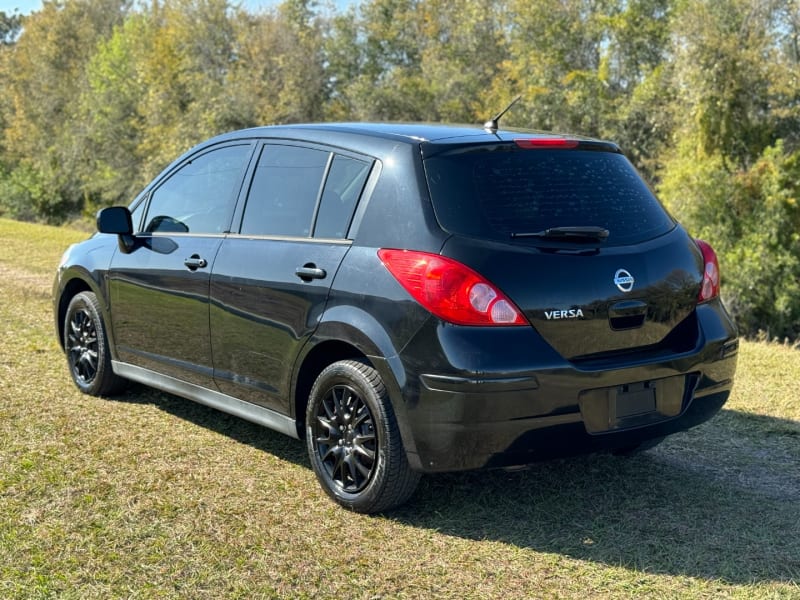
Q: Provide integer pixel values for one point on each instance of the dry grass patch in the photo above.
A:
(151, 496)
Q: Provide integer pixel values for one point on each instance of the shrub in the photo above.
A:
(752, 218)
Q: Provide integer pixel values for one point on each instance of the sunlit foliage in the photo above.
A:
(703, 95)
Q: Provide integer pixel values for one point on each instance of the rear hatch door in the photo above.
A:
(615, 299)
(573, 236)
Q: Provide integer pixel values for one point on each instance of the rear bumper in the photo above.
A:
(501, 397)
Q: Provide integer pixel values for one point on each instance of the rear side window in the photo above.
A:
(303, 192)
(284, 192)
(492, 192)
(343, 187)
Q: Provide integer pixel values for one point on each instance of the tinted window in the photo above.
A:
(199, 197)
(284, 191)
(342, 189)
(494, 192)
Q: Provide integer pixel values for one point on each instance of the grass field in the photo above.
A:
(151, 496)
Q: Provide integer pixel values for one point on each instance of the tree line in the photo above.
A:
(703, 95)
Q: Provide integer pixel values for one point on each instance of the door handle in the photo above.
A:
(310, 271)
(194, 262)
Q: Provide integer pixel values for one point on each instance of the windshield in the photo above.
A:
(503, 192)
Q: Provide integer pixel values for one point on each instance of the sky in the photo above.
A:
(22, 6)
(27, 6)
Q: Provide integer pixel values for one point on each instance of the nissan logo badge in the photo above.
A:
(623, 280)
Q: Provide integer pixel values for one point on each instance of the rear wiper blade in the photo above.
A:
(557, 233)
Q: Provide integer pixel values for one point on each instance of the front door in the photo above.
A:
(159, 291)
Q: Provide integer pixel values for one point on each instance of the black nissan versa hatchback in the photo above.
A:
(406, 298)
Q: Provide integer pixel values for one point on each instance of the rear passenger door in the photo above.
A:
(270, 280)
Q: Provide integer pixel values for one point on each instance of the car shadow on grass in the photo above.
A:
(244, 432)
(721, 501)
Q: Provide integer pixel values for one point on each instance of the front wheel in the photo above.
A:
(86, 345)
(353, 440)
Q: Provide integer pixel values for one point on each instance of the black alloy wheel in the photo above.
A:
(86, 346)
(82, 346)
(344, 432)
(353, 440)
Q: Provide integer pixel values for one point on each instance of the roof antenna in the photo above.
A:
(492, 124)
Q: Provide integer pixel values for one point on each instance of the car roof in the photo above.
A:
(412, 133)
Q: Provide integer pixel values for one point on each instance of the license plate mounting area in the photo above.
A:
(634, 404)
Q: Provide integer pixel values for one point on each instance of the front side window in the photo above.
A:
(199, 197)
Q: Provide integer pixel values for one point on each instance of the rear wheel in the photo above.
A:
(86, 346)
(353, 440)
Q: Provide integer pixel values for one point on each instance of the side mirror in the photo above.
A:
(117, 220)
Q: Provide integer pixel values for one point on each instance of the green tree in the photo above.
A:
(593, 67)
(556, 64)
(466, 45)
(638, 116)
(730, 177)
(725, 65)
(10, 26)
(111, 111)
(183, 69)
(752, 218)
(785, 87)
(344, 58)
(412, 60)
(389, 84)
(179, 71)
(276, 72)
(43, 78)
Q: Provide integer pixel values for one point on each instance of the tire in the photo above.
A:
(353, 440)
(86, 347)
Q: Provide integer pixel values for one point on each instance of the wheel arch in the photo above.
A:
(313, 363)
(70, 289)
(349, 333)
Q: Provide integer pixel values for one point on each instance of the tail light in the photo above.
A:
(710, 286)
(450, 290)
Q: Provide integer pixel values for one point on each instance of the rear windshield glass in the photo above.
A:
(494, 192)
